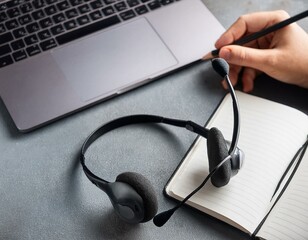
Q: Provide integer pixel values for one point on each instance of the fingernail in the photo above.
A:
(248, 84)
(225, 53)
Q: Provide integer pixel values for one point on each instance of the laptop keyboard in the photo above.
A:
(29, 27)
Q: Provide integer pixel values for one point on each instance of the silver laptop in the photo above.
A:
(60, 56)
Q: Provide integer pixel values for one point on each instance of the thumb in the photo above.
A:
(247, 57)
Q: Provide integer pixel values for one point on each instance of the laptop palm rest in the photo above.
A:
(134, 50)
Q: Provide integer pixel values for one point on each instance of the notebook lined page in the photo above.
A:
(289, 218)
(269, 139)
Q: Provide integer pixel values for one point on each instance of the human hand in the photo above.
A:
(281, 54)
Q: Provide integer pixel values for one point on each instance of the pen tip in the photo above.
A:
(207, 56)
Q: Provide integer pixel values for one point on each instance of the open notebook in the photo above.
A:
(271, 134)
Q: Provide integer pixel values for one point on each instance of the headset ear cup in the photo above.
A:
(144, 188)
(217, 151)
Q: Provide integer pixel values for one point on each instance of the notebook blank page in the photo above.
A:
(289, 218)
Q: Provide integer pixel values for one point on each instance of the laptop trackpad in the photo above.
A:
(107, 62)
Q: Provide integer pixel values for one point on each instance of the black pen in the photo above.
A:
(259, 34)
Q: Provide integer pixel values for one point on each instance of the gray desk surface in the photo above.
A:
(44, 194)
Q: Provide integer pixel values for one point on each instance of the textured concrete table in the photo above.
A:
(44, 194)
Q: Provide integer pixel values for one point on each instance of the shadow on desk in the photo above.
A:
(99, 223)
(6, 118)
(277, 91)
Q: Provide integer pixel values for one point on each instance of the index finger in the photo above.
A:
(250, 23)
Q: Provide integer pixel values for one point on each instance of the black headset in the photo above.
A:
(133, 196)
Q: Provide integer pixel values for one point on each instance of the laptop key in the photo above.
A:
(165, 2)
(6, 37)
(48, 44)
(32, 27)
(25, 8)
(141, 10)
(60, 17)
(127, 15)
(96, 4)
(11, 24)
(6, 60)
(13, 12)
(95, 15)
(3, 16)
(45, 34)
(19, 55)
(71, 13)
(83, 20)
(13, 3)
(19, 32)
(38, 3)
(31, 39)
(18, 44)
(120, 6)
(63, 5)
(153, 5)
(38, 14)
(25, 19)
(51, 10)
(76, 2)
(109, 1)
(80, 32)
(32, 50)
(70, 24)
(3, 6)
(5, 49)
(46, 22)
(132, 3)
(84, 8)
(57, 29)
(108, 11)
